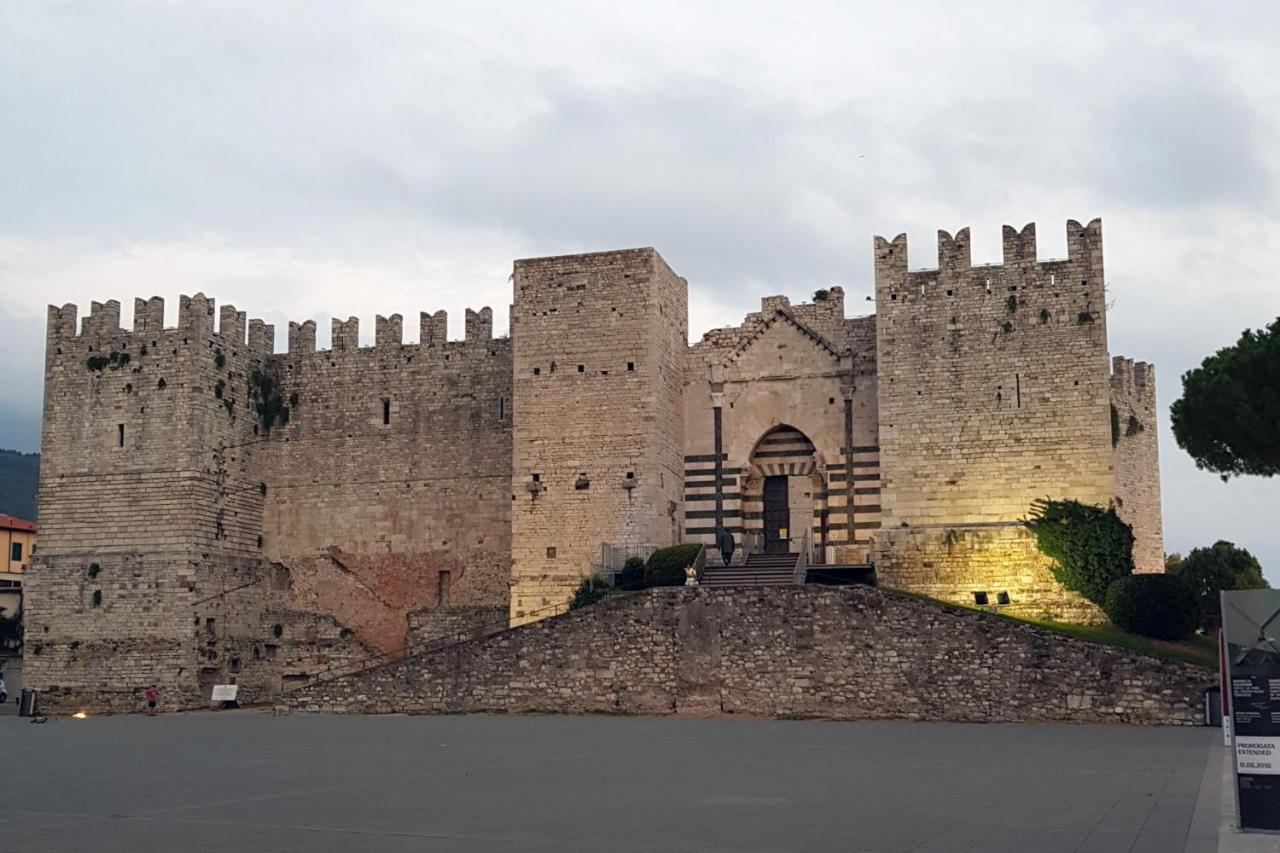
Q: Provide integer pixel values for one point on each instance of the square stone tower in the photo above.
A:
(150, 512)
(599, 343)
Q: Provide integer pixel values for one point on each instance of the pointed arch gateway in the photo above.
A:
(784, 493)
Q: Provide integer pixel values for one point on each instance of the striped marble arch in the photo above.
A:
(784, 451)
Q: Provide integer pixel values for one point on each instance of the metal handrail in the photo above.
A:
(700, 563)
(434, 644)
(802, 559)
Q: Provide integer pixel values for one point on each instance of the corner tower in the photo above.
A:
(995, 389)
(599, 344)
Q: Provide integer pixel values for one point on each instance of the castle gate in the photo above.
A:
(784, 493)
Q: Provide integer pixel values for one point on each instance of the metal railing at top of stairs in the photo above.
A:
(430, 645)
(700, 563)
(802, 559)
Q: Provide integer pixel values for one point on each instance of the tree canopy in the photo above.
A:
(1222, 566)
(1228, 418)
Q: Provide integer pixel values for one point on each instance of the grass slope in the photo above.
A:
(1197, 650)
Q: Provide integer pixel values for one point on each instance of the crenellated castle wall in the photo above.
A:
(994, 381)
(388, 489)
(150, 503)
(995, 389)
(195, 539)
(1136, 459)
(214, 511)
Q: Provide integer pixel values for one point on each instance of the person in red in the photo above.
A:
(152, 695)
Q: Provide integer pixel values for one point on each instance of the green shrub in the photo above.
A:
(666, 565)
(1090, 546)
(592, 589)
(1159, 606)
(632, 574)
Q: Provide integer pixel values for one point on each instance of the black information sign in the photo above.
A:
(1251, 625)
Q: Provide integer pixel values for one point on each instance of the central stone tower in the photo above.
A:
(599, 345)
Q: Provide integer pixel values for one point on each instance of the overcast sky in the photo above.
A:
(312, 160)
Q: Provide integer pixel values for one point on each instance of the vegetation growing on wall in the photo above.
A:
(264, 391)
(1090, 546)
(98, 363)
(592, 589)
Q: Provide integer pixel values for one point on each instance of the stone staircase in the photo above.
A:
(758, 570)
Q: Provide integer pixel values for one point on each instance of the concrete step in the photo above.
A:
(749, 576)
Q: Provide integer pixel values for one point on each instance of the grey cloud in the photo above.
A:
(351, 136)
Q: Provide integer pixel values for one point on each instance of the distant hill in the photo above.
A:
(19, 473)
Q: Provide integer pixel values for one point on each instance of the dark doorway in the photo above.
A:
(777, 515)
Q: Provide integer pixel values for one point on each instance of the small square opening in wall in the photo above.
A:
(537, 371)
(582, 368)
(631, 367)
(119, 435)
(1002, 597)
(551, 552)
(980, 599)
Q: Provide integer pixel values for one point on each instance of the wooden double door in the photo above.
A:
(777, 516)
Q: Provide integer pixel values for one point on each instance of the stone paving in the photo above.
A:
(247, 781)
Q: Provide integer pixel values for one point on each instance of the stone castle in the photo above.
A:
(213, 511)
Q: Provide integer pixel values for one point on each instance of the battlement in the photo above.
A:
(389, 332)
(955, 261)
(1133, 381)
(195, 319)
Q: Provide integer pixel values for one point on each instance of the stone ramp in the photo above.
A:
(799, 651)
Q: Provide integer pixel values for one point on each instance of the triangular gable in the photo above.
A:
(779, 315)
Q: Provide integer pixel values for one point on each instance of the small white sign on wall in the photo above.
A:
(225, 692)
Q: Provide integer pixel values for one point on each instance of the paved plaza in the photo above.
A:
(247, 781)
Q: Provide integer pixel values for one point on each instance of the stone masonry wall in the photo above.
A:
(840, 653)
(387, 490)
(1137, 459)
(994, 380)
(434, 624)
(150, 502)
(960, 563)
(598, 368)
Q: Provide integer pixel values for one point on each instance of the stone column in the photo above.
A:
(847, 392)
(717, 403)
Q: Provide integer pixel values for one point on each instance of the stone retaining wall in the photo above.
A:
(838, 653)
